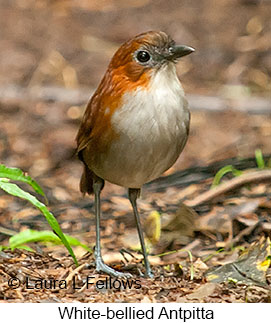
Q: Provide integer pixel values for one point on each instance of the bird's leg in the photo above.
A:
(100, 265)
(133, 194)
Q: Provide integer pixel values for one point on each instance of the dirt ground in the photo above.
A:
(53, 54)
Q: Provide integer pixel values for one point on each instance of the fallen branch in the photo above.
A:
(253, 177)
(79, 96)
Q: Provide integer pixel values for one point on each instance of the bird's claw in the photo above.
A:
(102, 267)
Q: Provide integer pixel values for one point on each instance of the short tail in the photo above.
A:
(86, 182)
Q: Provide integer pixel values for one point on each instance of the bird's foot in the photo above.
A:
(102, 267)
(149, 274)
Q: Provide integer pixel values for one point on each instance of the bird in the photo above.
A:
(134, 127)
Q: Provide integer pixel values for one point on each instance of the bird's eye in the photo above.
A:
(143, 56)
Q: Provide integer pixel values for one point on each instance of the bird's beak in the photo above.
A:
(178, 51)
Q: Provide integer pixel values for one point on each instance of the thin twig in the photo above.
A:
(253, 177)
(240, 235)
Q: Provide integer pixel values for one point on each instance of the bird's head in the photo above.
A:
(146, 53)
(138, 67)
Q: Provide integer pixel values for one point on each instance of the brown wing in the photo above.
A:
(83, 138)
(84, 133)
(87, 134)
(91, 115)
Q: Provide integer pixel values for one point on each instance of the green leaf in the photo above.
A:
(259, 159)
(24, 247)
(223, 171)
(15, 190)
(19, 247)
(74, 242)
(29, 235)
(18, 175)
(6, 180)
(213, 254)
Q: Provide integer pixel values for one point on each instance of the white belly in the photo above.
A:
(152, 129)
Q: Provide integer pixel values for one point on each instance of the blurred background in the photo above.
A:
(53, 54)
(69, 43)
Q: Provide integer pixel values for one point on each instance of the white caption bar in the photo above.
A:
(124, 312)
